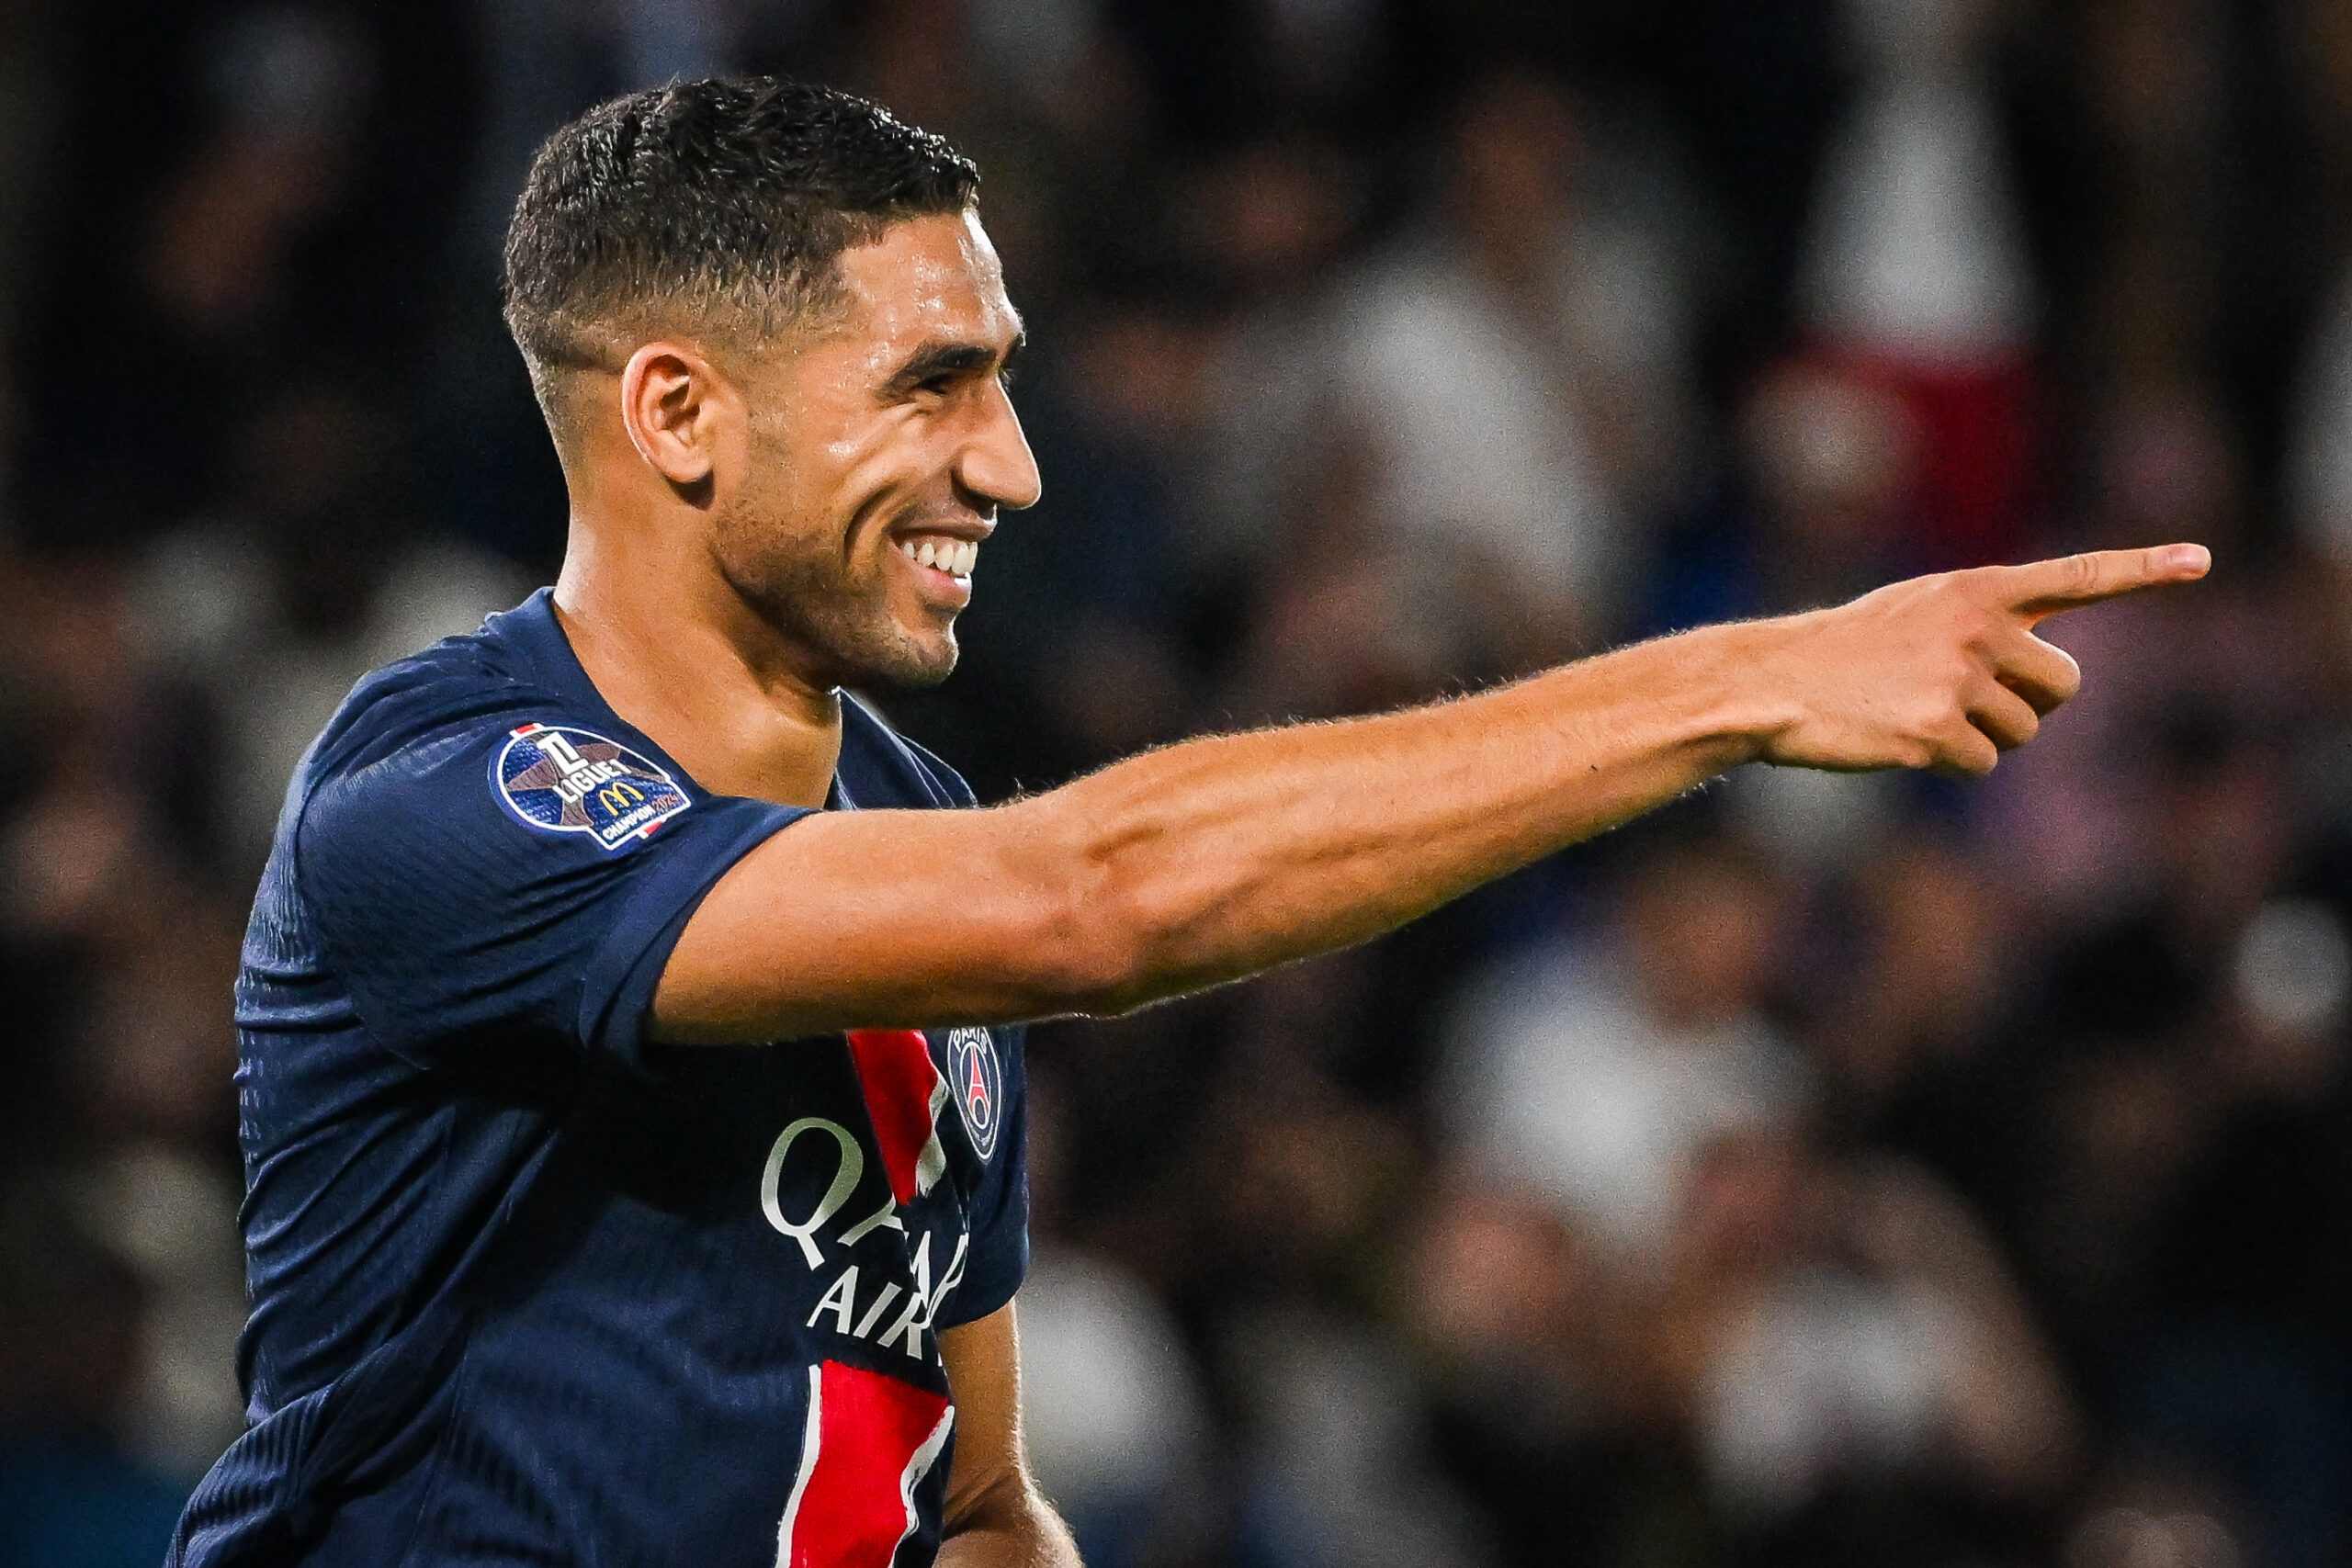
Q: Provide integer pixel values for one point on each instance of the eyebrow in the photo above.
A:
(953, 359)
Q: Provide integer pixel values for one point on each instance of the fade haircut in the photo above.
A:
(713, 208)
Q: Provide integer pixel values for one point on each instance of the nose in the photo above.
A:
(996, 465)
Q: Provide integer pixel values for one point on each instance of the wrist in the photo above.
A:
(1742, 698)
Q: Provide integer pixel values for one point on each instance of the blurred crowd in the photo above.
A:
(1873, 1171)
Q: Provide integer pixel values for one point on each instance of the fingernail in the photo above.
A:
(2188, 558)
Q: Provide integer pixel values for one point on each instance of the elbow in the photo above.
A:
(1093, 945)
(1093, 957)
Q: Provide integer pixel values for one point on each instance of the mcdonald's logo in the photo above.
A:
(620, 796)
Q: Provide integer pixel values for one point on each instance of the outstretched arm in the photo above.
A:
(1214, 859)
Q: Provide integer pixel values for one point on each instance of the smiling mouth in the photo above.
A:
(954, 557)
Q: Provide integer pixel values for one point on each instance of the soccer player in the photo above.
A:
(631, 1061)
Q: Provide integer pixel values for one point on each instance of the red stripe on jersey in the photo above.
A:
(870, 1441)
(903, 1092)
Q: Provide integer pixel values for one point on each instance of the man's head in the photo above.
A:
(772, 307)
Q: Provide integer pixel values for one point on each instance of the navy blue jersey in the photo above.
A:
(528, 1288)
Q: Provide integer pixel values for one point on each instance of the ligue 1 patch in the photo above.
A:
(562, 780)
(976, 1079)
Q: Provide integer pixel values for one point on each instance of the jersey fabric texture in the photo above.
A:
(527, 1288)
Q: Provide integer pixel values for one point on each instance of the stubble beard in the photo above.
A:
(816, 600)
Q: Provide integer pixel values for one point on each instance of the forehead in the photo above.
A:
(927, 280)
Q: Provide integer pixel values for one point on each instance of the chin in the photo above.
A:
(911, 665)
(910, 678)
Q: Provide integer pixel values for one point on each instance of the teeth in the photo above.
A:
(949, 556)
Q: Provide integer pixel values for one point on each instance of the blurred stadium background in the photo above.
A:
(1832, 1171)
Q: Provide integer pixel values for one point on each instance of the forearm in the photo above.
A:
(1220, 857)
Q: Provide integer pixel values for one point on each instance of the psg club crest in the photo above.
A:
(563, 780)
(977, 1080)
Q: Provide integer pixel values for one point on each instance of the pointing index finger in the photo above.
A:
(2045, 586)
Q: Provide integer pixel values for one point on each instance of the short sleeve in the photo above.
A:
(521, 870)
(999, 1213)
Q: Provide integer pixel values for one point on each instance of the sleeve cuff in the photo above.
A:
(618, 997)
(993, 1277)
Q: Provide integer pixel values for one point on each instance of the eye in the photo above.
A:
(938, 386)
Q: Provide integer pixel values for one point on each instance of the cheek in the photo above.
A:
(858, 484)
(836, 468)
(799, 490)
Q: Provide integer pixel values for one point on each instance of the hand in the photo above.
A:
(1943, 672)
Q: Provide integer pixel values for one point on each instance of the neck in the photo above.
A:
(677, 653)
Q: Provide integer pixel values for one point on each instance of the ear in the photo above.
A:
(675, 406)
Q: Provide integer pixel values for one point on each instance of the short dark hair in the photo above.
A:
(716, 206)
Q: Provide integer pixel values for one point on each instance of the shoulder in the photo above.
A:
(459, 683)
(467, 734)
